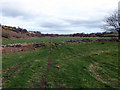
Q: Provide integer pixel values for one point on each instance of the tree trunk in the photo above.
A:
(119, 34)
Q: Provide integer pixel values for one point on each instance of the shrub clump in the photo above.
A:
(5, 34)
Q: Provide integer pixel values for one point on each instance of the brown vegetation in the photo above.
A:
(9, 32)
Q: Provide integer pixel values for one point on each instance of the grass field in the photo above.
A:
(53, 39)
(72, 65)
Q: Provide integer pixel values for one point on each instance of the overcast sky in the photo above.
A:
(57, 16)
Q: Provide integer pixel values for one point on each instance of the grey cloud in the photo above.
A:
(53, 25)
(56, 31)
(15, 12)
(50, 25)
(86, 23)
(72, 23)
(12, 9)
(11, 12)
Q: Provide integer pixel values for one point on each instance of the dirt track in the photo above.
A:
(43, 80)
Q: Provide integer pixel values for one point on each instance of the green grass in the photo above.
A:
(75, 64)
(54, 39)
(80, 65)
(26, 75)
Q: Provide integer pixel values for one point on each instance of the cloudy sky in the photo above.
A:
(57, 16)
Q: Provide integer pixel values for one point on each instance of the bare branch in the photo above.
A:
(111, 22)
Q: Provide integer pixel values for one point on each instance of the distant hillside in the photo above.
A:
(9, 32)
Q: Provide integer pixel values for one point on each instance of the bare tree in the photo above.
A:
(111, 23)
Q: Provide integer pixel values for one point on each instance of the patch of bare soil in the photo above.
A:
(36, 60)
(24, 47)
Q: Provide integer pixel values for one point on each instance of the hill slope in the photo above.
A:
(9, 32)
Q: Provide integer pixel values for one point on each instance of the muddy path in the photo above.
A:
(43, 81)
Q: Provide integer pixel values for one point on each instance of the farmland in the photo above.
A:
(70, 65)
(53, 39)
